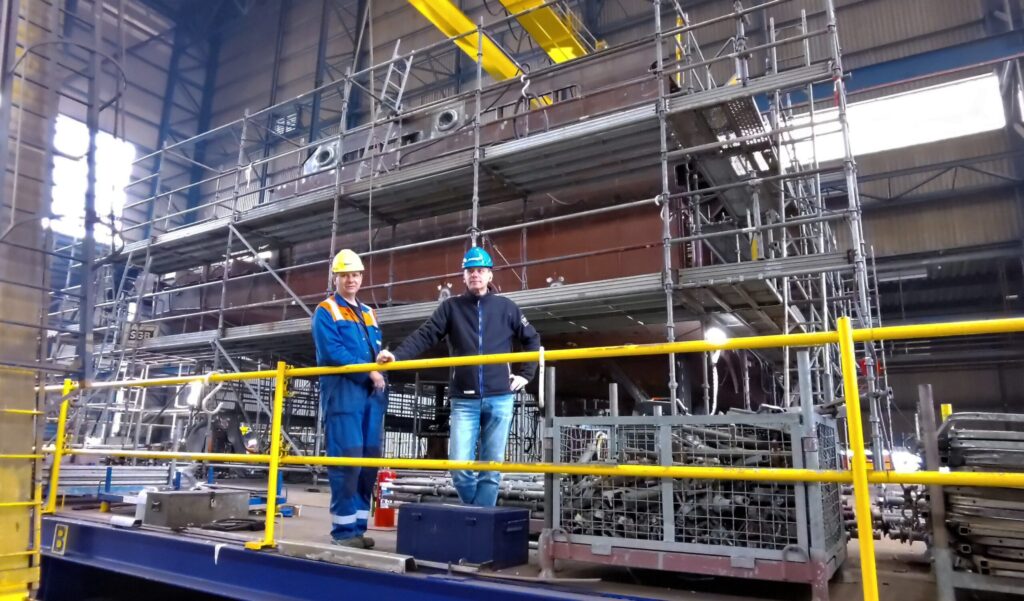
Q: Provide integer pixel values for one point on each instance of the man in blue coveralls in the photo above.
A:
(482, 396)
(346, 332)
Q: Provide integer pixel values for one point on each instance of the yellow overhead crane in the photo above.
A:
(554, 33)
(453, 22)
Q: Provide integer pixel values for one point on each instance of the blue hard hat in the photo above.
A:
(477, 257)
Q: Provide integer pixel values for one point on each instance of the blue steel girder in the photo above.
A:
(1005, 16)
(203, 124)
(164, 128)
(318, 78)
(282, 19)
(229, 570)
(991, 50)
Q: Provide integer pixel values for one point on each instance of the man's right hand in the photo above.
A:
(385, 357)
(379, 383)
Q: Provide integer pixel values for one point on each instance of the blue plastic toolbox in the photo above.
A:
(497, 536)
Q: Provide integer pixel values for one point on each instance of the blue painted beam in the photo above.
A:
(164, 129)
(355, 100)
(230, 571)
(203, 120)
(989, 50)
(318, 79)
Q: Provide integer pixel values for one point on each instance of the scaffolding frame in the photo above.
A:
(785, 244)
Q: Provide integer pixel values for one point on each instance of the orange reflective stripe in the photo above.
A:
(337, 312)
(330, 310)
(370, 317)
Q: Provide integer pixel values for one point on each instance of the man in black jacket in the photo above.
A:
(482, 396)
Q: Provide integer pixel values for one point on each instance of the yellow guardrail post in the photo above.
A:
(280, 385)
(946, 409)
(859, 467)
(59, 445)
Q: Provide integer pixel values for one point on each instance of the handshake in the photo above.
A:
(515, 383)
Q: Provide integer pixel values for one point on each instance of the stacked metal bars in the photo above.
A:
(515, 490)
(985, 523)
(755, 519)
(91, 480)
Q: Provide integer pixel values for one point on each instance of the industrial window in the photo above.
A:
(70, 173)
(285, 125)
(961, 108)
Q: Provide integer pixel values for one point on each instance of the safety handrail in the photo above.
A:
(845, 336)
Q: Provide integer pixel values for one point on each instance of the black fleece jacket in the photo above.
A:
(476, 325)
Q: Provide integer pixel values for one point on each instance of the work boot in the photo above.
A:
(367, 542)
(356, 542)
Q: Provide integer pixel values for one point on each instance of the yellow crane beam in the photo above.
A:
(550, 30)
(453, 23)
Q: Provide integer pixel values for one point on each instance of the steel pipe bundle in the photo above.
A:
(899, 512)
(515, 490)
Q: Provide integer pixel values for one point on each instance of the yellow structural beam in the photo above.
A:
(941, 330)
(227, 457)
(280, 386)
(21, 411)
(584, 469)
(551, 32)
(453, 23)
(861, 491)
(59, 444)
(845, 336)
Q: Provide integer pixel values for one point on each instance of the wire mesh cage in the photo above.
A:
(769, 520)
(760, 515)
(831, 493)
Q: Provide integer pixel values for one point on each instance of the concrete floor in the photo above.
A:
(902, 571)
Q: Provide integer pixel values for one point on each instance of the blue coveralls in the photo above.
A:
(352, 410)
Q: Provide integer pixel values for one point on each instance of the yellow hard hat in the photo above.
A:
(345, 261)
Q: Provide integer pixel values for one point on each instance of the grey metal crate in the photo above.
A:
(759, 520)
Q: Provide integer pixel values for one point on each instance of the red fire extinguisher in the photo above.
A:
(383, 500)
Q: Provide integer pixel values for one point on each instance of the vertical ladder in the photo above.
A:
(388, 105)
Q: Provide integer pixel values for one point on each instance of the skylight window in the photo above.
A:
(113, 171)
(943, 112)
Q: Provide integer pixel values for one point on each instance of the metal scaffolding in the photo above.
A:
(723, 145)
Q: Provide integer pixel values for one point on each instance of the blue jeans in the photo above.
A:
(488, 420)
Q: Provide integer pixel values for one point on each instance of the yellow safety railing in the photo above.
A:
(845, 336)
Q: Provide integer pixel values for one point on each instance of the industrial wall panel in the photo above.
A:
(973, 173)
(967, 221)
(967, 388)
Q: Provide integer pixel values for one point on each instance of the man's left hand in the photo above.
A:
(517, 383)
